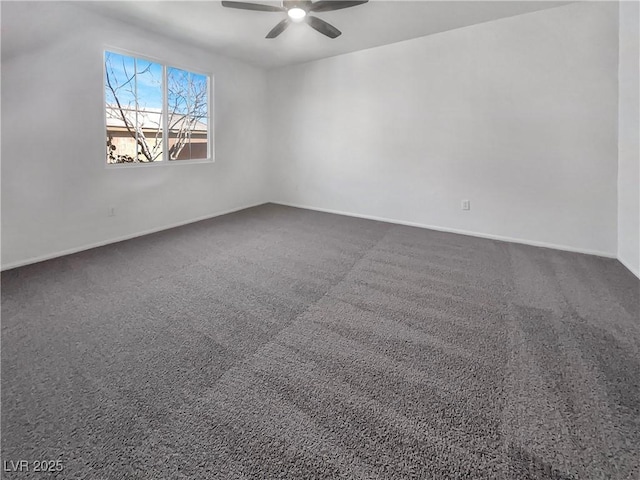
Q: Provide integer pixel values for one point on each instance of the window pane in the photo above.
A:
(120, 79)
(133, 106)
(179, 137)
(121, 136)
(149, 85)
(188, 112)
(199, 94)
(149, 146)
(188, 139)
(199, 139)
(178, 91)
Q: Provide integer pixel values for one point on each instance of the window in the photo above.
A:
(154, 112)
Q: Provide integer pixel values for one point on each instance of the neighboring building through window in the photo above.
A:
(154, 112)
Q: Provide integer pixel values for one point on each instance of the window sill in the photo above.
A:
(117, 166)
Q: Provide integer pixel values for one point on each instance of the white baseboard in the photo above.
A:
(501, 238)
(633, 269)
(102, 243)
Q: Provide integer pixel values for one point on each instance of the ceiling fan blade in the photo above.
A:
(252, 6)
(329, 5)
(323, 27)
(278, 29)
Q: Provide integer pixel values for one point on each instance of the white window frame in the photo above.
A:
(165, 114)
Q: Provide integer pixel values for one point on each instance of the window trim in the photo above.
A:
(165, 65)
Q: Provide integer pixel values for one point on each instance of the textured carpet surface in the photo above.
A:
(279, 343)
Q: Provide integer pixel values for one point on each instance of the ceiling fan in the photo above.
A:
(298, 11)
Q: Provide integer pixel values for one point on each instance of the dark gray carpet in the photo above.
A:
(283, 343)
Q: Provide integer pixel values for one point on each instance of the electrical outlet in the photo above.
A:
(466, 205)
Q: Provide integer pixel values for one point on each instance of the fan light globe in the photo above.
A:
(296, 14)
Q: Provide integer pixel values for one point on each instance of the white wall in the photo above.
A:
(629, 138)
(518, 115)
(56, 190)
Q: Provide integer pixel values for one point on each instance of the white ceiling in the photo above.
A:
(240, 33)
